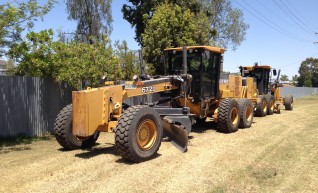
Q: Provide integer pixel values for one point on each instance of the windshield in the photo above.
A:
(175, 61)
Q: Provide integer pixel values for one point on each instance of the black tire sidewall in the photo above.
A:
(68, 141)
(259, 108)
(143, 114)
(69, 132)
(269, 99)
(225, 123)
(244, 104)
(234, 104)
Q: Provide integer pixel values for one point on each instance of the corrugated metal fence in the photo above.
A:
(28, 105)
(298, 92)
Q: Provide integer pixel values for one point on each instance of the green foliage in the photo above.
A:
(170, 23)
(295, 80)
(16, 17)
(36, 56)
(172, 26)
(284, 77)
(138, 12)
(78, 64)
(94, 19)
(308, 73)
(127, 59)
(227, 26)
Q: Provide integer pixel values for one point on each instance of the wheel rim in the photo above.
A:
(249, 113)
(264, 106)
(234, 116)
(146, 134)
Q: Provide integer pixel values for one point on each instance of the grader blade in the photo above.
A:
(176, 133)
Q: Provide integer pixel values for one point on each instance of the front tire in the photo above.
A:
(63, 131)
(246, 111)
(261, 107)
(138, 133)
(270, 100)
(228, 116)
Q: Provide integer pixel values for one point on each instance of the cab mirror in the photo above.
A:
(274, 72)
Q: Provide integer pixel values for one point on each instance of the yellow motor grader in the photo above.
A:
(270, 97)
(192, 88)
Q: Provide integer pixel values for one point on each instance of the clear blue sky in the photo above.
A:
(281, 32)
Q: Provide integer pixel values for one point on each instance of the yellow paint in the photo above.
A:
(100, 108)
(87, 111)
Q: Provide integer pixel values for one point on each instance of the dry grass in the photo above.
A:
(278, 154)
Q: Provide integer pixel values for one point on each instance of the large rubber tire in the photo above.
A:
(288, 102)
(270, 100)
(261, 107)
(246, 113)
(138, 133)
(63, 132)
(228, 116)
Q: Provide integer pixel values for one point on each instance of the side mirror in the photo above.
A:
(274, 72)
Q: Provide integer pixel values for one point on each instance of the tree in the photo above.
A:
(36, 55)
(226, 25)
(127, 59)
(295, 80)
(16, 17)
(138, 12)
(71, 62)
(284, 77)
(94, 19)
(308, 73)
(172, 26)
(10, 67)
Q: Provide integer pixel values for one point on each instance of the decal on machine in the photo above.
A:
(224, 81)
(147, 89)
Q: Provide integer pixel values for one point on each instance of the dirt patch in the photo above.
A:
(277, 154)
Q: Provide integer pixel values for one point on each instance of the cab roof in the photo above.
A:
(253, 67)
(209, 48)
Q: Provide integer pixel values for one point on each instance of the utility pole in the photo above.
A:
(316, 42)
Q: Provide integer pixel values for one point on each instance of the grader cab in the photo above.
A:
(269, 91)
(193, 88)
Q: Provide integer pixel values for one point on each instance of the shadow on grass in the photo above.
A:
(21, 140)
(13, 148)
(203, 127)
(129, 162)
(96, 151)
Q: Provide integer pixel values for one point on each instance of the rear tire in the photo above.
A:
(288, 102)
(270, 100)
(138, 133)
(228, 116)
(63, 131)
(261, 107)
(246, 112)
